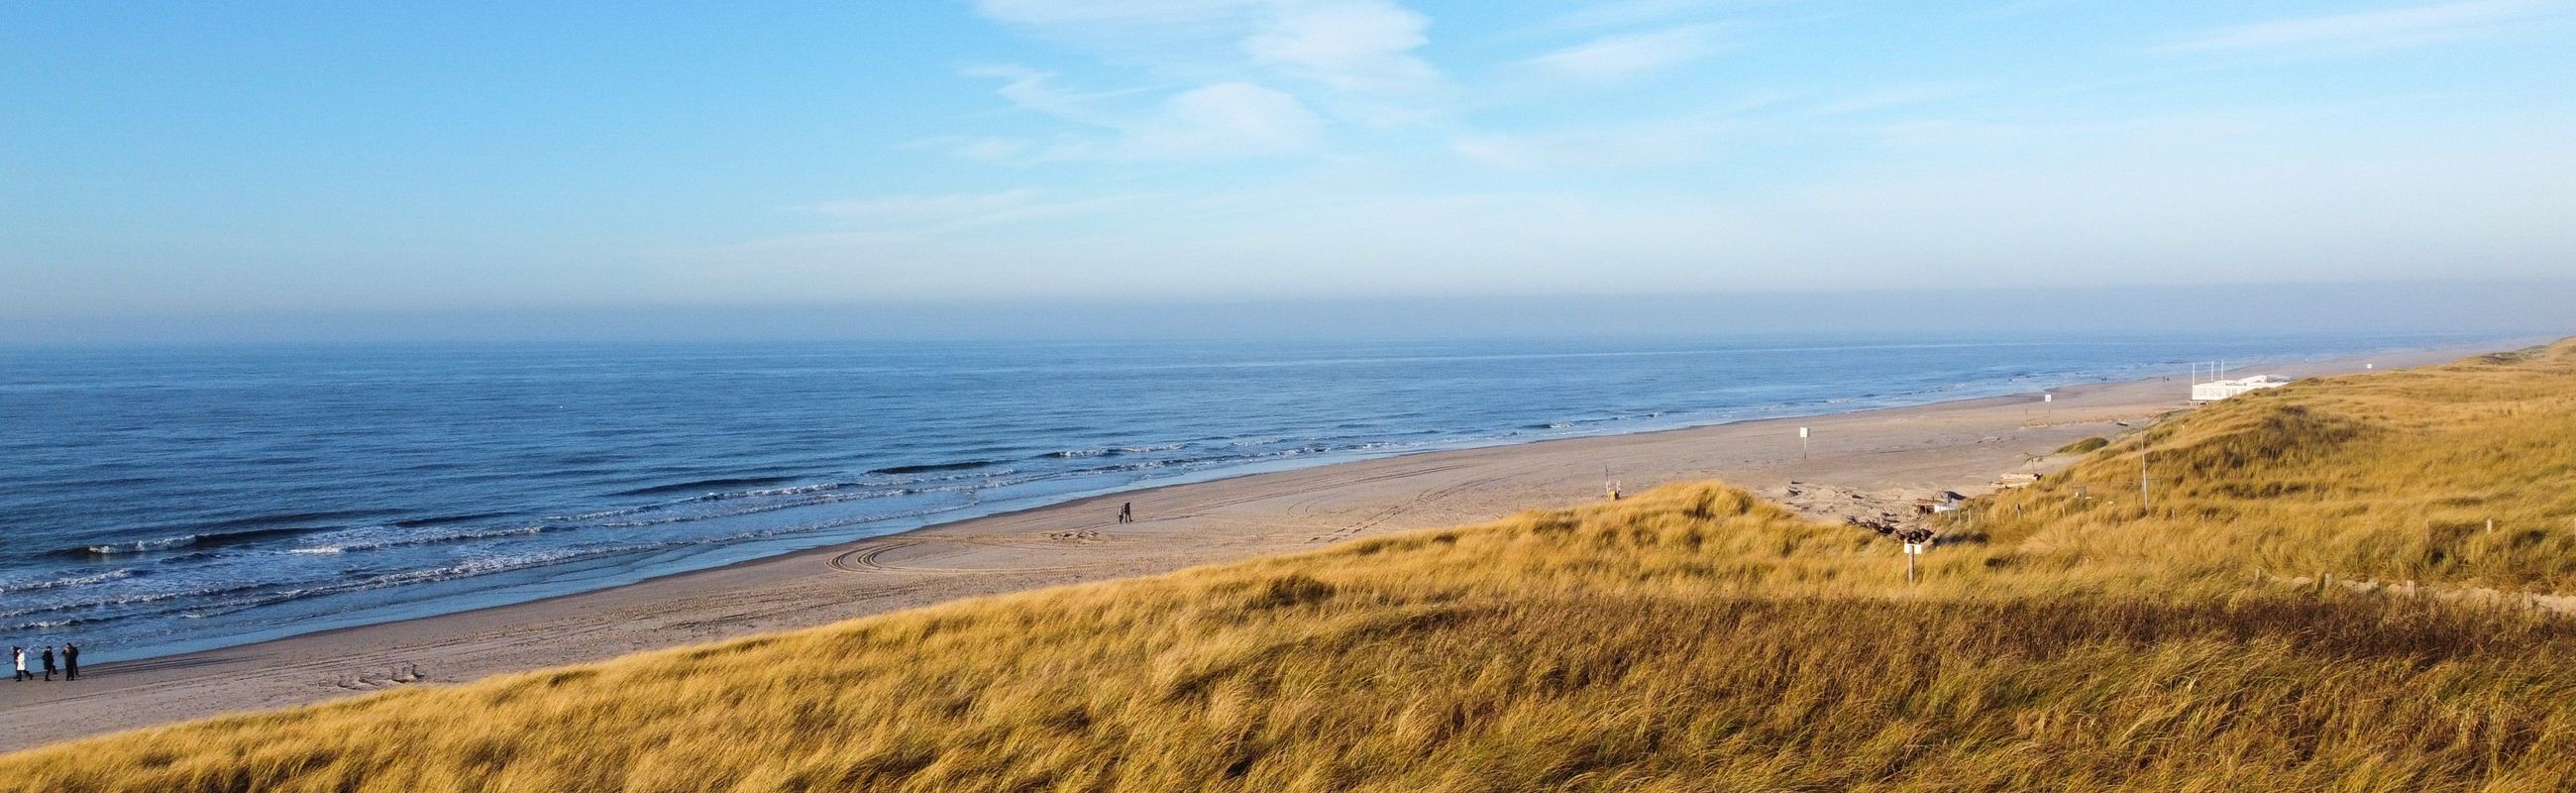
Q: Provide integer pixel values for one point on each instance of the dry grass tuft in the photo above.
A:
(2083, 446)
(1692, 638)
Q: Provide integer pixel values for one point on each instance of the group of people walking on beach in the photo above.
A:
(70, 657)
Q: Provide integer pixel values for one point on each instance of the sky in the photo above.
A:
(341, 160)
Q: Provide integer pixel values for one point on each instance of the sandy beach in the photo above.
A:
(1856, 465)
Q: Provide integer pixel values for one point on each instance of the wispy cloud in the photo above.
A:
(1212, 122)
(1226, 119)
(1124, 26)
(2372, 30)
(1631, 55)
(1355, 45)
(1623, 13)
(1344, 45)
(1037, 91)
(1265, 77)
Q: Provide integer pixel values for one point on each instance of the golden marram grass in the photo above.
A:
(2462, 474)
(1691, 638)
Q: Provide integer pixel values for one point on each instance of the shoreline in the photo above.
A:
(506, 590)
(1864, 461)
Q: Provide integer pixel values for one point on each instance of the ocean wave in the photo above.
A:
(505, 563)
(369, 538)
(50, 624)
(960, 476)
(95, 605)
(322, 516)
(605, 514)
(140, 546)
(69, 581)
(135, 598)
(694, 508)
(932, 468)
(809, 499)
(466, 569)
(1074, 454)
(1222, 459)
(182, 541)
(1567, 424)
(442, 520)
(705, 485)
(776, 491)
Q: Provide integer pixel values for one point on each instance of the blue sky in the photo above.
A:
(247, 157)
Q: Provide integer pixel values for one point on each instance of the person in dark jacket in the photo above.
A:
(49, 662)
(71, 661)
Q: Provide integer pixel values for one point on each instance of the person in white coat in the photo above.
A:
(19, 654)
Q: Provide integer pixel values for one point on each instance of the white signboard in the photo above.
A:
(1802, 432)
(2048, 397)
(1914, 548)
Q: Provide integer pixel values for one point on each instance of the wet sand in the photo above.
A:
(1857, 465)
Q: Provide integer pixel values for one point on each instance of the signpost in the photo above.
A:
(1802, 443)
(1916, 542)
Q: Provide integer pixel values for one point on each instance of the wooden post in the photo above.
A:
(2145, 504)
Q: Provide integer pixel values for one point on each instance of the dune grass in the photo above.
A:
(2084, 446)
(2461, 475)
(1690, 638)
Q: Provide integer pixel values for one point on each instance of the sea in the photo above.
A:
(164, 500)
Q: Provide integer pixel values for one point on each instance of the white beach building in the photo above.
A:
(2215, 390)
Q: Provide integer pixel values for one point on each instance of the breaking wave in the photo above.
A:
(705, 485)
(932, 468)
